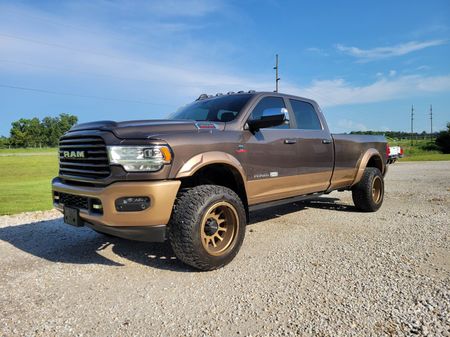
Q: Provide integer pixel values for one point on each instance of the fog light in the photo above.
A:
(132, 204)
(96, 206)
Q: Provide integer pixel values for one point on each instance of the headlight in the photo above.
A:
(140, 158)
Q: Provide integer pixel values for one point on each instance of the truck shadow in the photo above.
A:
(55, 241)
(332, 204)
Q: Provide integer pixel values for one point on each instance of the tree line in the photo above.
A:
(398, 134)
(38, 133)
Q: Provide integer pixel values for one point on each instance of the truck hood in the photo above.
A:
(141, 129)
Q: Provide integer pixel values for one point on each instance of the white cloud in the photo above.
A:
(424, 67)
(149, 8)
(107, 62)
(316, 50)
(102, 56)
(187, 79)
(339, 92)
(183, 77)
(390, 51)
(182, 7)
(348, 125)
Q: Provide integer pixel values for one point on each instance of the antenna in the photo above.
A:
(412, 123)
(277, 79)
(431, 120)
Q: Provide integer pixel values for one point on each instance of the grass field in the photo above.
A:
(28, 150)
(426, 157)
(25, 180)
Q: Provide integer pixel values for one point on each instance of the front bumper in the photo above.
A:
(162, 196)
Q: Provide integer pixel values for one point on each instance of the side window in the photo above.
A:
(305, 115)
(267, 104)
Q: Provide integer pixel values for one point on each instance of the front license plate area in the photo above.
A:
(72, 217)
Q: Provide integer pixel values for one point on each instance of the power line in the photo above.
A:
(97, 75)
(20, 14)
(114, 57)
(84, 51)
(79, 95)
(58, 24)
(50, 44)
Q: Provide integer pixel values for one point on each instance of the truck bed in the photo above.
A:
(348, 152)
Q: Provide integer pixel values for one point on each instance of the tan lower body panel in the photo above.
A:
(162, 195)
(342, 178)
(271, 189)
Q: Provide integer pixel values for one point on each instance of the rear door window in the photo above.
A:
(305, 115)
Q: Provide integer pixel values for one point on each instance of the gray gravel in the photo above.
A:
(309, 269)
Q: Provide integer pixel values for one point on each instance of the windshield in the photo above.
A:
(218, 109)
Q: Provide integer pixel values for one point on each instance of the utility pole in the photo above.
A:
(277, 79)
(412, 125)
(431, 121)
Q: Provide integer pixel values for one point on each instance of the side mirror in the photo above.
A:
(270, 117)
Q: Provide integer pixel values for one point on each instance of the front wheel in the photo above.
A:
(368, 193)
(207, 227)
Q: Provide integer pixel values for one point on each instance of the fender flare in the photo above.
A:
(364, 160)
(200, 160)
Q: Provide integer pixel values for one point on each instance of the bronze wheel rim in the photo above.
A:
(219, 228)
(377, 190)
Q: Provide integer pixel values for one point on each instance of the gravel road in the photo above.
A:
(311, 269)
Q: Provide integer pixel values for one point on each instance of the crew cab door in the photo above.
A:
(314, 147)
(271, 159)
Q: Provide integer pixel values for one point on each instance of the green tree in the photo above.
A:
(36, 133)
(55, 127)
(66, 121)
(4, 142)
(19, 133)
(51, 131)
(443, 140)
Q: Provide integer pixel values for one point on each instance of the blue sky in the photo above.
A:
(365, 62)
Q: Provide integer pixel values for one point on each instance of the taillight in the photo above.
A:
(388, 150)
(401, 151)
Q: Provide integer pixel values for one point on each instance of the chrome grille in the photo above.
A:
(83, 156)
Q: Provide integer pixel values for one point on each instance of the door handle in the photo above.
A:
(326, 141)
(290, 141)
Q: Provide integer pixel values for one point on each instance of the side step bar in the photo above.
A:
(275, 203)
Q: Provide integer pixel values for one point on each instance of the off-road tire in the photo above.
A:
(185, 227)
(364, 197)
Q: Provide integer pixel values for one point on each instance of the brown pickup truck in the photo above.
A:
(194, 178)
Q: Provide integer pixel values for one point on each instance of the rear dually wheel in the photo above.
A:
(368, 193)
